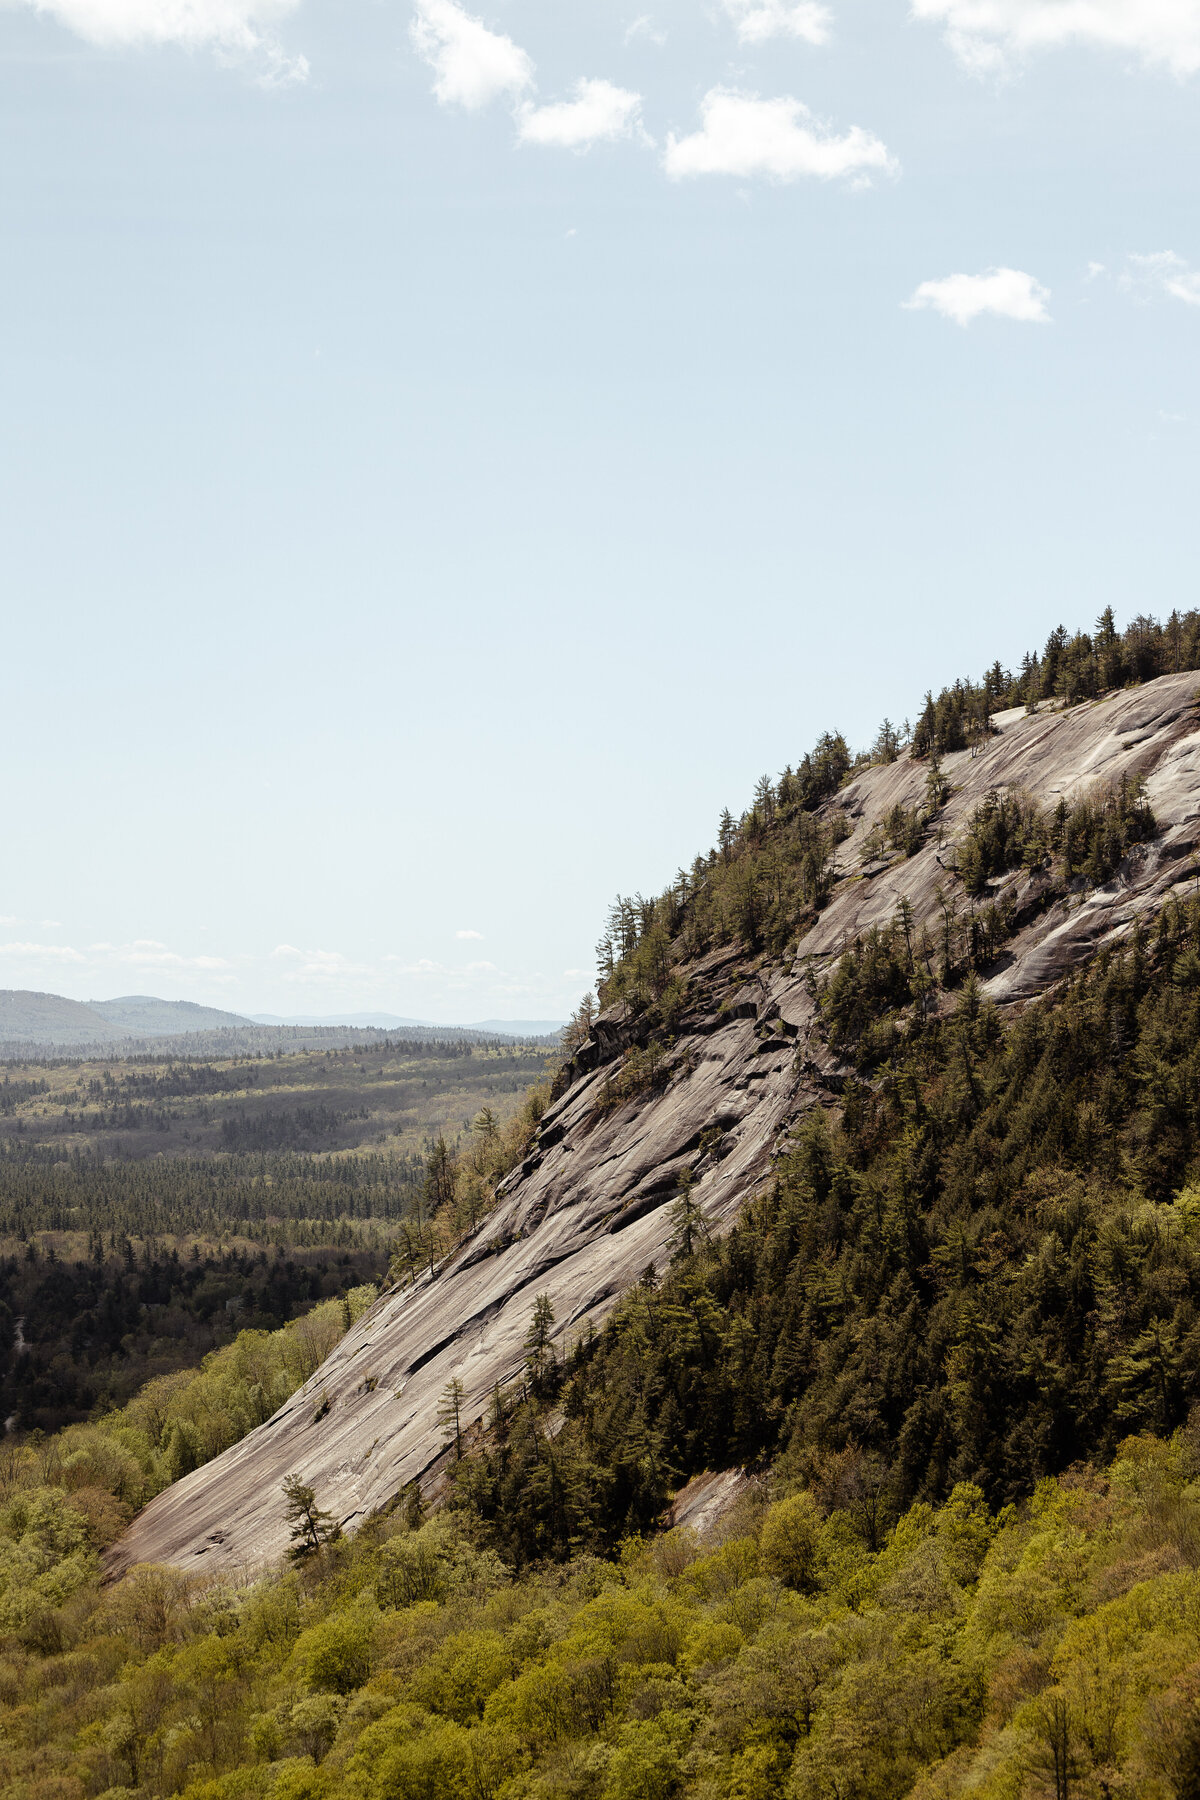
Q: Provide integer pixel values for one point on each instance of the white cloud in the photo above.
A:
(233, 28)
(759, 20)
(743, 135)
(471, 64)
(477, 935)
(599, 113)
(644, 27)
(984, 34)
(422, 966)
(9, 919)
(316, 965)
(148, 953)
(1165, 273)
(1009, 293)
(51, 952)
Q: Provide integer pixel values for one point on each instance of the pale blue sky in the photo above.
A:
(413, 526)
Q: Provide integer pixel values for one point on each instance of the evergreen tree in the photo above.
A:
(311, 1528)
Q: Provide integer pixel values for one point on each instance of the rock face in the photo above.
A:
(589, 1208)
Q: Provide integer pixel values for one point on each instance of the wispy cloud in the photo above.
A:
(759, 20)
(148, 953)
(472, 66)
(743, 135)
(987, 34)
(1162, 272)
(476, 935)
(599, 113)
(644, 27)
(60, 953)
(1008, 293)
(235, 29)
(316, 965)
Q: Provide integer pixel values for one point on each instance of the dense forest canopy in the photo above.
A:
(152, 1208)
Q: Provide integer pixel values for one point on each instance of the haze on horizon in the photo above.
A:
(450, 453)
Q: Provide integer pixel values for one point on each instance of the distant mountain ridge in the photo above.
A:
(142, 1015)
(28, 1017)
(33, 1023)
(32, 1018)
(377, 1021)
(392, 1022)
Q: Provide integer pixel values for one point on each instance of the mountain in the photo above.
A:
(53, 1021)
(141, 1015)
(757, 1008)
(31, 1018)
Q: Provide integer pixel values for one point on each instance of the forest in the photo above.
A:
(811, 1648)
(150, 1208)
(953, 1342)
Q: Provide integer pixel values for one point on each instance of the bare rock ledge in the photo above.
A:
(589, 1208)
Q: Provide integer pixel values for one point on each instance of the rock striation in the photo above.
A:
(589, 1208)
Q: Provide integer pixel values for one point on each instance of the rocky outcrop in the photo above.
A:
(590, 1206)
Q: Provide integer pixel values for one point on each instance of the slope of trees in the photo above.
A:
(808, 1651)
(983, 1267)
(768, 874)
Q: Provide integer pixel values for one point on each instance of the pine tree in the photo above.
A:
(539, 1352)
(311, 1527)
(450, 1413)
(687, 1219)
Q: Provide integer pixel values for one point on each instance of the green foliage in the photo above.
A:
(1087, 837)
(1070, 669)
(771, 872)
(971, 1653)
(984, 1268)
(65, 1498)
(311, 1527)
(138, 1232)
(790, 1539)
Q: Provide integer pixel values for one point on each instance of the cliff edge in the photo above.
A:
(589, 1207)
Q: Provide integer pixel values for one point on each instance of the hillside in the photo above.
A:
(32, 1020)
(141, 1015)
(35, 1019)
(220, 1042)
(151, 1208)
(841, 921)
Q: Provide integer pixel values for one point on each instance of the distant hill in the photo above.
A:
(379, 1021)
(31, 1023)
(520, 1028)
(141, 1015)
(32, 1018)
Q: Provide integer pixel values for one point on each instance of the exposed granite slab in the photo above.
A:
(590, 1207)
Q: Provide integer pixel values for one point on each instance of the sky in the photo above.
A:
(447, 455)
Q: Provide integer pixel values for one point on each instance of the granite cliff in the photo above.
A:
(589, 1207)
